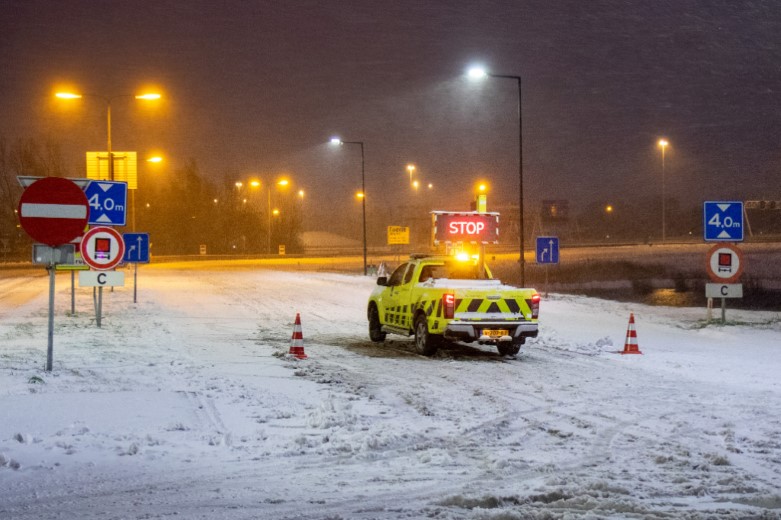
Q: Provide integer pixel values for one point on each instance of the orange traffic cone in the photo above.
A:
(630, 345)
(297, 341)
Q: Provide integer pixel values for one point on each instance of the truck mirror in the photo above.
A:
(382, 280)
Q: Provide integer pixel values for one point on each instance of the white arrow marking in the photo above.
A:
(724, 207)
(76, 211)
(140, 241)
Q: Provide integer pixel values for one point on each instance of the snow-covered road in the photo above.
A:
(187, 404)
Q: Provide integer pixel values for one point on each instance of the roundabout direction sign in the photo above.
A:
(102, 248)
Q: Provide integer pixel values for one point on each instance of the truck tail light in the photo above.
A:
(535, 306)
(449, 305)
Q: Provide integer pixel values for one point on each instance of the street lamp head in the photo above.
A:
(149, 96)
(663, 142)
(67, 95)
(254, 184)
(283, 182)
(360, 195)
(239, 184)
(155, 159)
(336, 141)
(477, 72)
(301, 193)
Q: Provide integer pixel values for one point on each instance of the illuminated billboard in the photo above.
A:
(467, 227)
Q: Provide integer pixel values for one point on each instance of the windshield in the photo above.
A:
(451, 270)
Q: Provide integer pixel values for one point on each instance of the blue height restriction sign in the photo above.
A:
(723, 221)
(107, 202)
(547, 250)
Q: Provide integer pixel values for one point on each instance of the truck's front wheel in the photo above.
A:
(375, 327)
(425, 342)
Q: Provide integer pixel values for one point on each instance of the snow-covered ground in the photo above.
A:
(187, 405)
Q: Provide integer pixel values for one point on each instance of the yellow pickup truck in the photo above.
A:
(438, 298)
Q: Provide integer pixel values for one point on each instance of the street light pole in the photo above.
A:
(477, 72)
(336, 140)
(663, 143)
(70, 95)
(268, 232)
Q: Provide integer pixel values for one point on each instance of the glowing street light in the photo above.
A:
(410, 169)
(362, 193)
(480, 73)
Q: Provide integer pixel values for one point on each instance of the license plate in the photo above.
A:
(495, 333)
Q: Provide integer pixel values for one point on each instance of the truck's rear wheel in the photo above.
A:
(425, 342)
(508, 349)
(375, 327)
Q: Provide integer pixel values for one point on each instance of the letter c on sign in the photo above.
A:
(102, 278)
(724, 290)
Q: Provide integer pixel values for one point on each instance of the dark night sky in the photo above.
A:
(257, 88)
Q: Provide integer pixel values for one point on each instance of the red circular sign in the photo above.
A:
(102, 248)
(53, 211)
(725, 263)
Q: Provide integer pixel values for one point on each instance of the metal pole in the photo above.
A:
(363, 201)
(520, 184)
(363, 206)
(521, 260)
(99, 308)
(73, 293)
(268, 232)
(108, 144)
(135, 283)
(664, 211)
(50, 347)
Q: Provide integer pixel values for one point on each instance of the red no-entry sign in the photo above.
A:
(53, 211)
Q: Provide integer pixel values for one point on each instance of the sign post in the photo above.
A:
(136, 252)
(725, 264)
(54, 211)
(467, 228)
(547, 253)
(102, 248)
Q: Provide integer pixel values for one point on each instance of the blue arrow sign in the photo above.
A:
(136, 248)
(107, 202)
(723, 221)
(547, 250)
